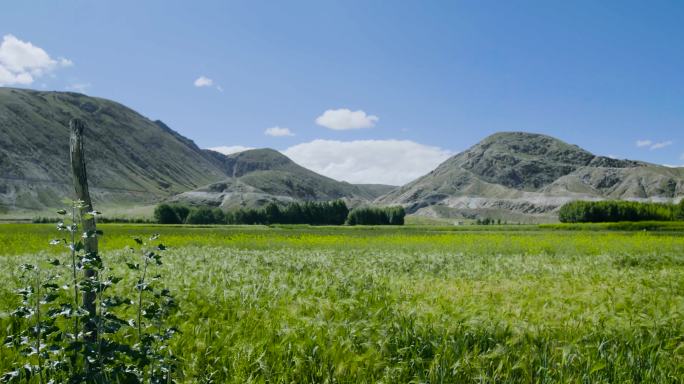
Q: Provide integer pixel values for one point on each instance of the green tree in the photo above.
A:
(201, 216)
(165, 214)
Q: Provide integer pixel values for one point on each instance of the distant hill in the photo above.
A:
(131, 159)
(523, 177)
(260, 176)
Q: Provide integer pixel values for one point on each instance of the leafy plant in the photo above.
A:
(75, 327)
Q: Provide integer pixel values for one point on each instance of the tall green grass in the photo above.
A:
(311, 305)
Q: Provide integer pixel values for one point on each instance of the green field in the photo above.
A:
(414, 304)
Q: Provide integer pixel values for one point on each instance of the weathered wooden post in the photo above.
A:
(78, 168)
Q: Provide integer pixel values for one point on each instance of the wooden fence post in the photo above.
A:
(78, 168)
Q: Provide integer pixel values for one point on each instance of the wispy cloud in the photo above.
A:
(650, 144)
(278, 132)
(660, 145)
(22, 63)
(78, 87)
(206, 82)
(203, 81)
(345, 119)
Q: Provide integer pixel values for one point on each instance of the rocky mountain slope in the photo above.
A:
(131, 159)
(259, 176)
(525, 177)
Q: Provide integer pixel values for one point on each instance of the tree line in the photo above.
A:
(615, 210)
(314, 213)
(376, 216)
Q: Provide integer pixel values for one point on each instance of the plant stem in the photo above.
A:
(140, 296)
(74, 282)
(38, 328)
(99, 325)
(73, 267)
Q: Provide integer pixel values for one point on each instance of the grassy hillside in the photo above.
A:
(131, 159)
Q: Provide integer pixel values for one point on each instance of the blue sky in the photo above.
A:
(431, 77)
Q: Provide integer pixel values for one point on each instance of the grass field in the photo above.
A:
(414, 304)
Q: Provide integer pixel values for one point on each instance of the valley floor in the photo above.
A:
(412, 304)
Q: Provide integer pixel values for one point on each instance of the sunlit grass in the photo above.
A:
(393, 305)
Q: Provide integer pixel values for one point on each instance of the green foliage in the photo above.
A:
(313, 213)
(171, 213)
(205, 215)
(376, 216)
(165, 214)
(680, 210)
(615, 210)
(56, 336)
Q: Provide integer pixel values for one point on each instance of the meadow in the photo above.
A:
(495, 304)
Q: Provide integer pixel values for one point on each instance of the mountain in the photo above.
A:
(131, 159)
(259, 176)
(518, 176)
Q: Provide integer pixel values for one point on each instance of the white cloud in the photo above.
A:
(78, 87)
(653, 145)
(345, 119)
(278, 132)
(227, 150)
(393, 162)
(203, 81)
(22, 62)
(660, 145)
